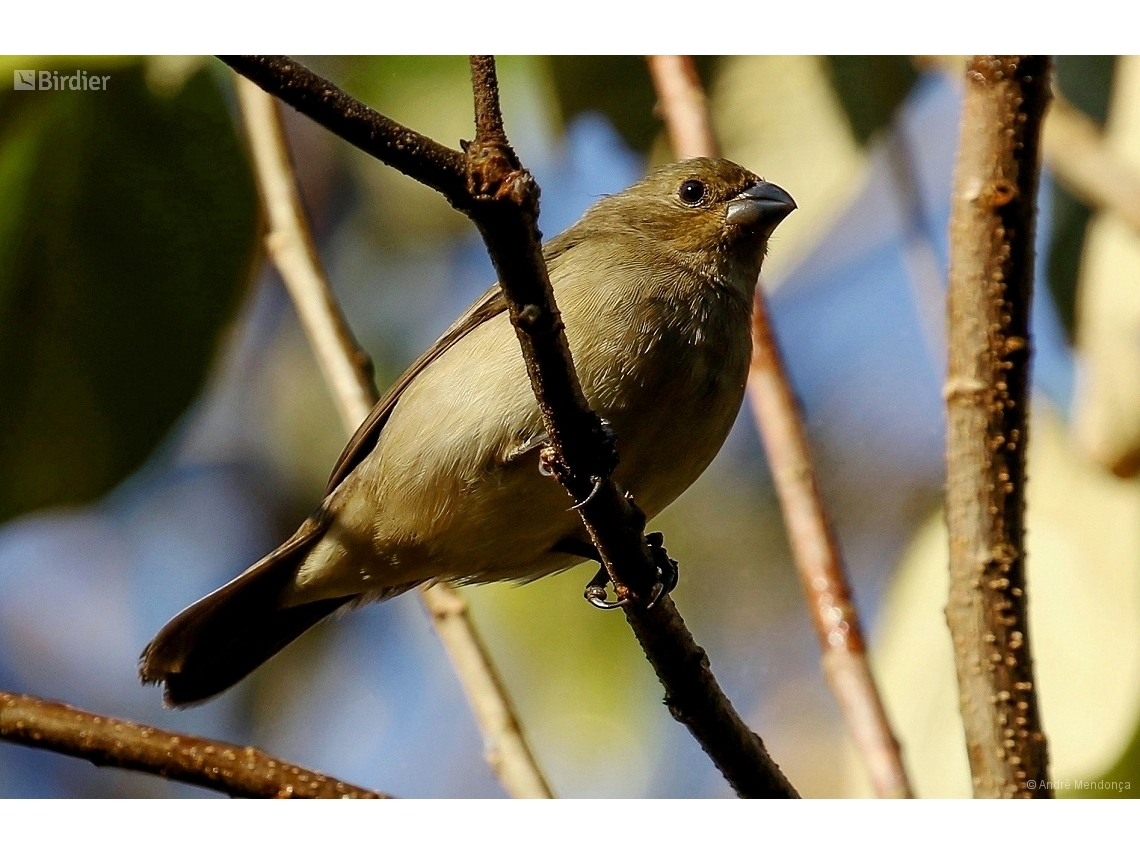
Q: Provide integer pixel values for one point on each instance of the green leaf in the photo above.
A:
(128, 222)
(871, 89)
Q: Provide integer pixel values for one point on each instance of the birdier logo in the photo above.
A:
(29, 78)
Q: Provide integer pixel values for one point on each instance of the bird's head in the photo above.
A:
(709, 214)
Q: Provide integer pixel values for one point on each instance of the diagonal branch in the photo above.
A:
(106, 741)
(820, 563)
(777, 415)
(582, 458)
(991, 282)
(501, 198)
(414, 154)
(346, 371)
(1085, 162)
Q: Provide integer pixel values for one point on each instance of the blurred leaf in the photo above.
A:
(1070, 222)
(781, 117)
(1122, 781)
(1083, 546)
(871, 89)
(1087, 82)
(431, 94)
(1107, 402)
(618, 87)
(127, 229)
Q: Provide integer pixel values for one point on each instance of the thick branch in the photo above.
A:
(345, 367)
(1078, 153)
(991, 280)
(106, 741)
(777, 415)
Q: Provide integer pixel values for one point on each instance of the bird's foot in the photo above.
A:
(668, 571)
(549, 463)
(667, 576)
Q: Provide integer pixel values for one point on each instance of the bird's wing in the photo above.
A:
(366, 436)
(486, 307)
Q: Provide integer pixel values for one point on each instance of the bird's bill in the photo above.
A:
(761, 204)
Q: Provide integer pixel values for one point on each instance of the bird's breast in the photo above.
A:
(669, 378)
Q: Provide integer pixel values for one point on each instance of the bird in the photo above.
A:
(444, 481)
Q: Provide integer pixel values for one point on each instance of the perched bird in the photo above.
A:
(443, 482)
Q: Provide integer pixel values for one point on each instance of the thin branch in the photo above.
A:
(346, 369)
(485, 87)
(819, 562)
(682, 104)
(1085, 162)
(502, 199)
(991, 280)
(778, 420)
(105, 741)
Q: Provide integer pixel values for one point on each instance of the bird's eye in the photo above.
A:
(691, 192)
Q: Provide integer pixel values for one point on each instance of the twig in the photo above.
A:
(683, 106)
(105, 741)
(347, 371)
(991, 279)
(501, 197)
(1085, 162)
(346, 367)
(777, 415)
(819, 562)
(696, 700)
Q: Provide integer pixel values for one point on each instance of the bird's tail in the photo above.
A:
(223, 637)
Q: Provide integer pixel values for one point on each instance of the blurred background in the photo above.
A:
(164, 423)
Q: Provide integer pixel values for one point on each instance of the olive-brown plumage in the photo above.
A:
(442, 481)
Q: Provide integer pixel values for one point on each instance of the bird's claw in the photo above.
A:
(597, 598)
(595, 592)
(596, 484)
